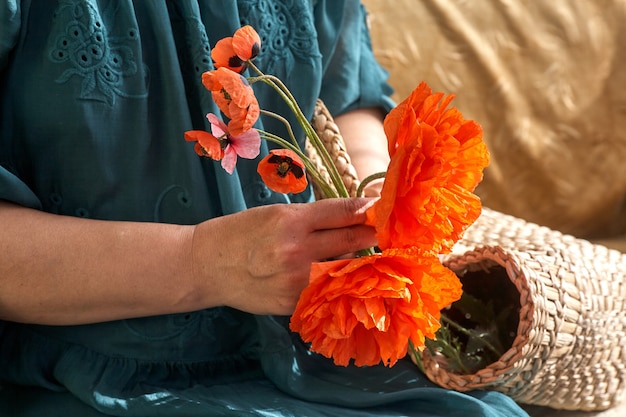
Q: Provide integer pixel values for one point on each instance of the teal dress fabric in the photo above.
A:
(95, 97)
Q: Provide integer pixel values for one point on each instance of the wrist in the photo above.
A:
(203, 290)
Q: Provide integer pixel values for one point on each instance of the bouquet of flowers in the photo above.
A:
(373, 307)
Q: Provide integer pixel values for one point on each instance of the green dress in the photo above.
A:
(95, 98)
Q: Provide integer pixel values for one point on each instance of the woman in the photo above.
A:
(145, 280)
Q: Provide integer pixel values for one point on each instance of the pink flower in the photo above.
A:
(246, 145)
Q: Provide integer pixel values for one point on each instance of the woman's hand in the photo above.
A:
(259, 260)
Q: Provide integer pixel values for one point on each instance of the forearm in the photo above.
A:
(365, 139)
(65, 270)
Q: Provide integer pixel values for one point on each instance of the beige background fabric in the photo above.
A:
(545, 79)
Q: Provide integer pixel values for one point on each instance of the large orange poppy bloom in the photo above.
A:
(368, 308)
(437, 159)
(282, 171)
(235, 98)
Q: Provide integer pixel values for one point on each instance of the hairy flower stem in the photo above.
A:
(367, 180)
(466, 332)
(285, 122)
(366, 252)
(286, 95)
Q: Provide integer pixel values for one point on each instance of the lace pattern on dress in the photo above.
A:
(287, 32)
(88, 51)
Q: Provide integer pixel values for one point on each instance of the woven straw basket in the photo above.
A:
(569, 351)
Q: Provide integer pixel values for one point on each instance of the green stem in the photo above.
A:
(466, 332)
(284, 121)
(454, 354)
(366, 252)
(418, 358)
(288, 98)
(450, 354)
(367, 180)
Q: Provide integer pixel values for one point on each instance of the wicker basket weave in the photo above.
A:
(325, 126)
(570, 348)
(569, 351)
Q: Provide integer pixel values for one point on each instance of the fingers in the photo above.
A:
(267, 250)
(335, 213)
(338, 227)
(334, 243)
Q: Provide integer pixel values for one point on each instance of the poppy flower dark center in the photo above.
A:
(224, 140)
(235, 62)
(284, 165)
(225, 94)
(256, 48)
(282, 169)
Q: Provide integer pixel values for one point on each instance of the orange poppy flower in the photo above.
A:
(235, 98)
(246, 43)
(368, 308)
(437, 159)
(233, 52)
(223, 55)
(282, 171)
(206, 144)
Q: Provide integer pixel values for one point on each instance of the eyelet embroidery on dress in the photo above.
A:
(162, 327)
(286, 31)
(202, 50)
(183, 197)
(90, 52)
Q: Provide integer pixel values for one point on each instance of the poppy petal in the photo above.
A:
(282, 171)
(223, 55)
(248, 144)
(437, 159)
(229, 161)
(246, 43)
(211, 81)
(242, 119)
(234, 97)
(235, 87)
(218, 127)
(363, 318)
(207, 144)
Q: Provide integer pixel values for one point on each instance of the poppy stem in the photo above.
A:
(290, 100)
(366, 252)
(459, 328)
(285, 122)
(367, 180)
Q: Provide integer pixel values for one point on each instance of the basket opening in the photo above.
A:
(483, 323)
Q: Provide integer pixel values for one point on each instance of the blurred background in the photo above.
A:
(546, 80)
